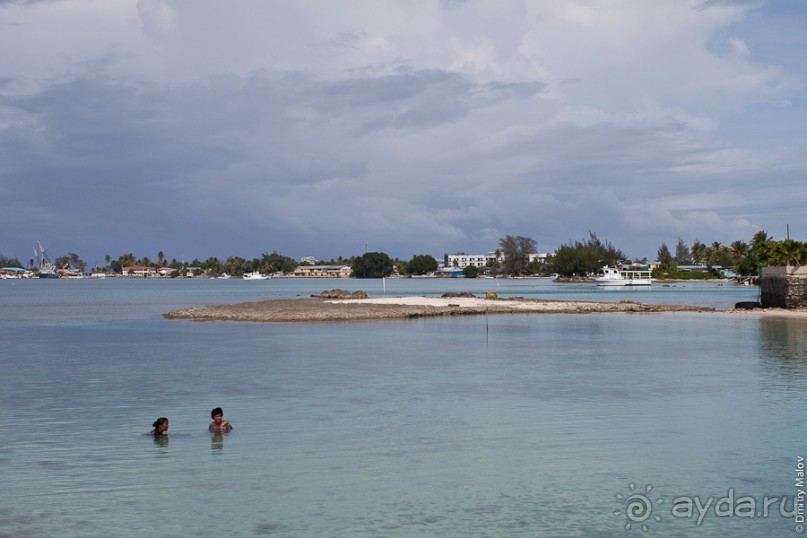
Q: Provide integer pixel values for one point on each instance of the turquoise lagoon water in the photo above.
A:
(511, 425)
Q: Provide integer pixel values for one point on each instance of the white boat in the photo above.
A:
(256, 276)
(611, 276)
(224, 276)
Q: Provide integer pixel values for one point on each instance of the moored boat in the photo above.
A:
(612, 276)
(256, 276)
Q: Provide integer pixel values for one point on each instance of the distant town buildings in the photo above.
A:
(452, 265)
(145, 271)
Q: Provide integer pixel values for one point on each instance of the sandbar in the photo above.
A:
(319, 310)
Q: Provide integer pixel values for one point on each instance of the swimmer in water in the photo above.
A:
(160, 427)
(219, 425)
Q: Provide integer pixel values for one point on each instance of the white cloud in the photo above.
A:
(739, 47)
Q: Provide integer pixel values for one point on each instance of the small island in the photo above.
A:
(328, 306)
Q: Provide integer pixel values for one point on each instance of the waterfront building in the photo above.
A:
(141, 271)
(462, 260)
(323, 271)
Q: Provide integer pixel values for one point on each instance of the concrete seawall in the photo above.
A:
(784, 287)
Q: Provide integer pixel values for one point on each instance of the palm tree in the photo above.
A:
(793, 252)
(739, 250)
(716, 254)
(127, 260)
(759, 238)
(698, 252)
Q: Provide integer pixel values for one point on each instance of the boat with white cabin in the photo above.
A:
(256, 276)
(612, 276)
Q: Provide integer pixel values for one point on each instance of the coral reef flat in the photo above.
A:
(317, 309)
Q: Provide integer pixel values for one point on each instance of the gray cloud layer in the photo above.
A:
(422, 127)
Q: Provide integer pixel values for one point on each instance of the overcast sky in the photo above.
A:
(311, 127)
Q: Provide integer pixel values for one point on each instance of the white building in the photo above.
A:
(323, 271)
(462, 260)
(141, 271)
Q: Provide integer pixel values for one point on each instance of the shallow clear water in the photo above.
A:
(512, 425)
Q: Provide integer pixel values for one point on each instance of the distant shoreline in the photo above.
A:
(319, 310)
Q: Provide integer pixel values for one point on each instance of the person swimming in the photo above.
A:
(219, 425)
(160, 427)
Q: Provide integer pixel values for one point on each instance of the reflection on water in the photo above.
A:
(217, 443)
(161, 441)
(783, 350)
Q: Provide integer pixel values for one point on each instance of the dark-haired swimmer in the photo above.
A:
(160, 427)
(219, 425)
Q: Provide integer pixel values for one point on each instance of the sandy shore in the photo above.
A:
(771, 313)
(407, 307)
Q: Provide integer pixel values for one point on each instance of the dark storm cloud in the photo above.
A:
(103, 154)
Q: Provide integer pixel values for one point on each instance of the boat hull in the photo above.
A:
(623, 282)
(256, 276)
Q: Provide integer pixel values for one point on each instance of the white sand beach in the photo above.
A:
(473, 302)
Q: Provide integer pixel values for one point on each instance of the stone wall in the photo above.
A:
(784, 287)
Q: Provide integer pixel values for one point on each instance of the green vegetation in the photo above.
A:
(516, 251)
(9, 262)
(582, 258)
(782, 252)
(744, 259)
(71, 261)
(372, 265)
(536, 267)
(471, 271)
(665, 260)
(579, 258)
(421, 264)
(234, 265)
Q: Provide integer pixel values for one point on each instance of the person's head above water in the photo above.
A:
(160, 426)
(219, 424)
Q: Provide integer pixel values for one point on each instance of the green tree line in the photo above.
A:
(575, 258)
(745, 259)
(9, 262)
(581, 258)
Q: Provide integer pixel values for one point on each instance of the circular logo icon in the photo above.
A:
(638, 507)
